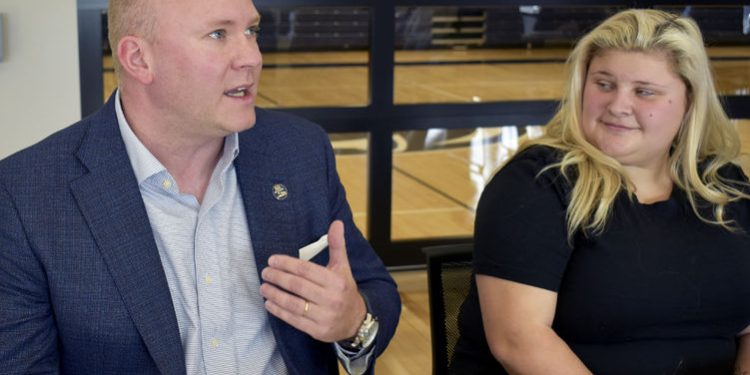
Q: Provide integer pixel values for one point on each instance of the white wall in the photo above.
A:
(39, 78)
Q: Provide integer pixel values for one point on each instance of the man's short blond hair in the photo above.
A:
(128, 17)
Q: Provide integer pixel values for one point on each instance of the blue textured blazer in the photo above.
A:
(82, 289)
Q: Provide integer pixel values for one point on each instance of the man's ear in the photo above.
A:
(134, 57)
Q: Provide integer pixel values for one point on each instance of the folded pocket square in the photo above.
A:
(310, 251)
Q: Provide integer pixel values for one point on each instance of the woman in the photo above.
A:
(618, 242)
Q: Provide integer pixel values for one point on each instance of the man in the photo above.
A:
(161, 234)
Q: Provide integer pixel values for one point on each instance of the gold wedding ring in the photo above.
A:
(307, 308)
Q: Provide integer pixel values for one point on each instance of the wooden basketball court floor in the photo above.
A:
(438, 175)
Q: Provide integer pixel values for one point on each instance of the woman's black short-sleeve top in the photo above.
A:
(658, 292)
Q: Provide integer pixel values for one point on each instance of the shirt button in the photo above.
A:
(208, 279)
(167, 184)
(215, 343)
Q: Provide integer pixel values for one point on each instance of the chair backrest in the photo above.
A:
(449, 273)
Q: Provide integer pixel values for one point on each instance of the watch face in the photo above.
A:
(370, 335)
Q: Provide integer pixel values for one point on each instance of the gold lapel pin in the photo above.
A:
(280, 192)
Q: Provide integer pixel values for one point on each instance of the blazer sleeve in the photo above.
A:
(28, 336)
(373, 280)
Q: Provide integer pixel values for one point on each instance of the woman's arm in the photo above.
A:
(742, 364)
(518, 323)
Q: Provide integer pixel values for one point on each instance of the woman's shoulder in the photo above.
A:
(733, 173)
(536, 160)
(540, 154)
(738, 210)
(529, 171)
(730, 174)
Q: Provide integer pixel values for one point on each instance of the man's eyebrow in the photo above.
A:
(227, 22)
(219, 23)
(222, 23)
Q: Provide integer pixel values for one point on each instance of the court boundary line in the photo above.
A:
(434, 189)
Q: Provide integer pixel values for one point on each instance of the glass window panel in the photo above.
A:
(109, 79)
(351, 150)
(439, 174)
(505, 53)
(465, 55)
(314, 57)
(732, 73)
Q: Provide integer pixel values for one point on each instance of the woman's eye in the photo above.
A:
(605, 86)
(217, 34)
(644, 92)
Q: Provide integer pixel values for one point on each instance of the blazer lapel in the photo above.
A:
(111, 203)
(272, 223)
(277, 225)
(270, 216)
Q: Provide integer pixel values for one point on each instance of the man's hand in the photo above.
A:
(324, 302)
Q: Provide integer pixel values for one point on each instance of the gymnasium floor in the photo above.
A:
(438, 175)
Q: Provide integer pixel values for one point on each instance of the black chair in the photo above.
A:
(449, 273)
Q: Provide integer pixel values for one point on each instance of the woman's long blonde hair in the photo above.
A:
(705, 136)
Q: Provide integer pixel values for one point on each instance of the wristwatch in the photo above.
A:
(366, 333)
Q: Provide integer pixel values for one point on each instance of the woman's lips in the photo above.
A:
(618, 127)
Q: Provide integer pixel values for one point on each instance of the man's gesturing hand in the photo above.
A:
(324, 302)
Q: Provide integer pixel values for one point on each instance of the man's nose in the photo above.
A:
(247, 54)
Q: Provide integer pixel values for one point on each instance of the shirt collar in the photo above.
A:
(145, 164)
(231, 150)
